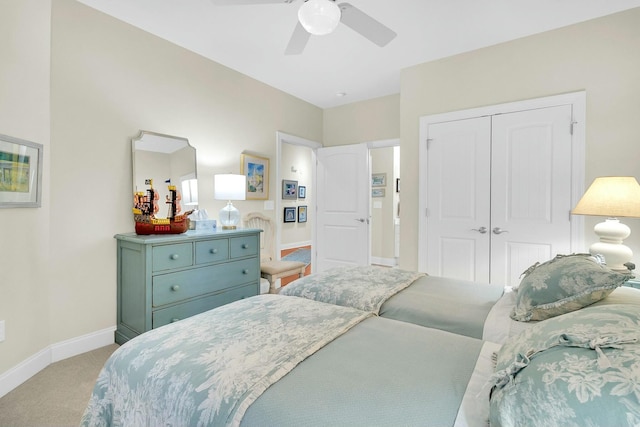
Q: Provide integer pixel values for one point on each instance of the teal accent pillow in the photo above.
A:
(579, 369)
(563, 284)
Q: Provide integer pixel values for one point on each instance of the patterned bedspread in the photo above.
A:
(365, 288)
(208, 369)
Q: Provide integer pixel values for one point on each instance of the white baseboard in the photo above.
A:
(387, 262)
(54, 353)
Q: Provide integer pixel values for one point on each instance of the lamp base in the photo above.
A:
(229, 217)
(612, 233)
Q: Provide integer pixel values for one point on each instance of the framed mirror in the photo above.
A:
(166, 160)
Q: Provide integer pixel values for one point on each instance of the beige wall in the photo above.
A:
(108, 81)
(373, 120)
(24, 234)
(599, 56)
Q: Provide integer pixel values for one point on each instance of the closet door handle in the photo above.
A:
(481, 230)
(499, 230)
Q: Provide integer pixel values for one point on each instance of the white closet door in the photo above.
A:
(530, 190)
(458, 198)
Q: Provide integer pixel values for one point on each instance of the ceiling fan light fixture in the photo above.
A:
(319, 17)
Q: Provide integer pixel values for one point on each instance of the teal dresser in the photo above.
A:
(165, 278)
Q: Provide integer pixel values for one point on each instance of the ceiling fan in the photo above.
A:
(319, 17)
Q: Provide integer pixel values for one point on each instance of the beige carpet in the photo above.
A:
(57, 395)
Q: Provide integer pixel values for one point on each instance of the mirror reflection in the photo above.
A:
(166, 160)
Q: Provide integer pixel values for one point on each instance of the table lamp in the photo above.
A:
(611, 196)
(229, 187)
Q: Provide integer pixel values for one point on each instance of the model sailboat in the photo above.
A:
(146, 207)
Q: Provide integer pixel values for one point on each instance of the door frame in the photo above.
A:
(285, 138)
(578, 102)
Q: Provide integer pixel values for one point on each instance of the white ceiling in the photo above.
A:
(252, 38)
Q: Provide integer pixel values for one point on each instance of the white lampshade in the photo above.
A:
(229, 187)
(319, 17)
(190, 192)
(611, 196)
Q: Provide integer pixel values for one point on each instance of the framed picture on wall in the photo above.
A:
(302, 214)
(289, 214)
(302, 192)
(378, 179)
(377, 192)
(256, 169)
(289, 189)
(20, 173)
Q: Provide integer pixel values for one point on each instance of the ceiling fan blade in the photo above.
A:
(238, 2)
(368, 27)
(298, 40)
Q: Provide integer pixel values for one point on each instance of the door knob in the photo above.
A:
(363, 220)
(480, 230)
(499, 230)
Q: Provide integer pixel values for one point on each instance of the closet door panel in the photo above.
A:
(530, 189)
(458, 180)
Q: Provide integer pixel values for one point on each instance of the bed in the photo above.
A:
(274, 361)
(562, 284)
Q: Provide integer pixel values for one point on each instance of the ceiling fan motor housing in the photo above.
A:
(319, 17)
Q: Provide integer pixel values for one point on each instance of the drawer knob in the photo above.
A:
(175, 319)
(175, 288)
(213, 251)
(245, 246)
(175, 256)
(245, 271)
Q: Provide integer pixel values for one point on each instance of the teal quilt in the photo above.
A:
(363, 287)
(208, 369)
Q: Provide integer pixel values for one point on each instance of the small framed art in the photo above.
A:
(378, 179)
(289, 214)
(289, 189)
(20, 173)
(302, 214)
(377, 192)
(256, 170)
(302, 192)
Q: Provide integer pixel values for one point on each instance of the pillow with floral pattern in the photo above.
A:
(564, 284)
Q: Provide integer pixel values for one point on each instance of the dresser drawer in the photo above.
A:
(168, 257)
(182, 311)
(212, 251)
(174, 287)
(244, 246)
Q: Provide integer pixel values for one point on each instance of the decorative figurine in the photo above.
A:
(145, 208)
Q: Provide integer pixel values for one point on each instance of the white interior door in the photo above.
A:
(530, 190)
(458, 203)
(342, 217)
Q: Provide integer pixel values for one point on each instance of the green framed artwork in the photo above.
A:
(20, 173)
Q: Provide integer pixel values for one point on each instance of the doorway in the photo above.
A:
(295, 161)
(385, 204)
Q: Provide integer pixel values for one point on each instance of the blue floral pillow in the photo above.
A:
(579, 369)
(563, 284)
